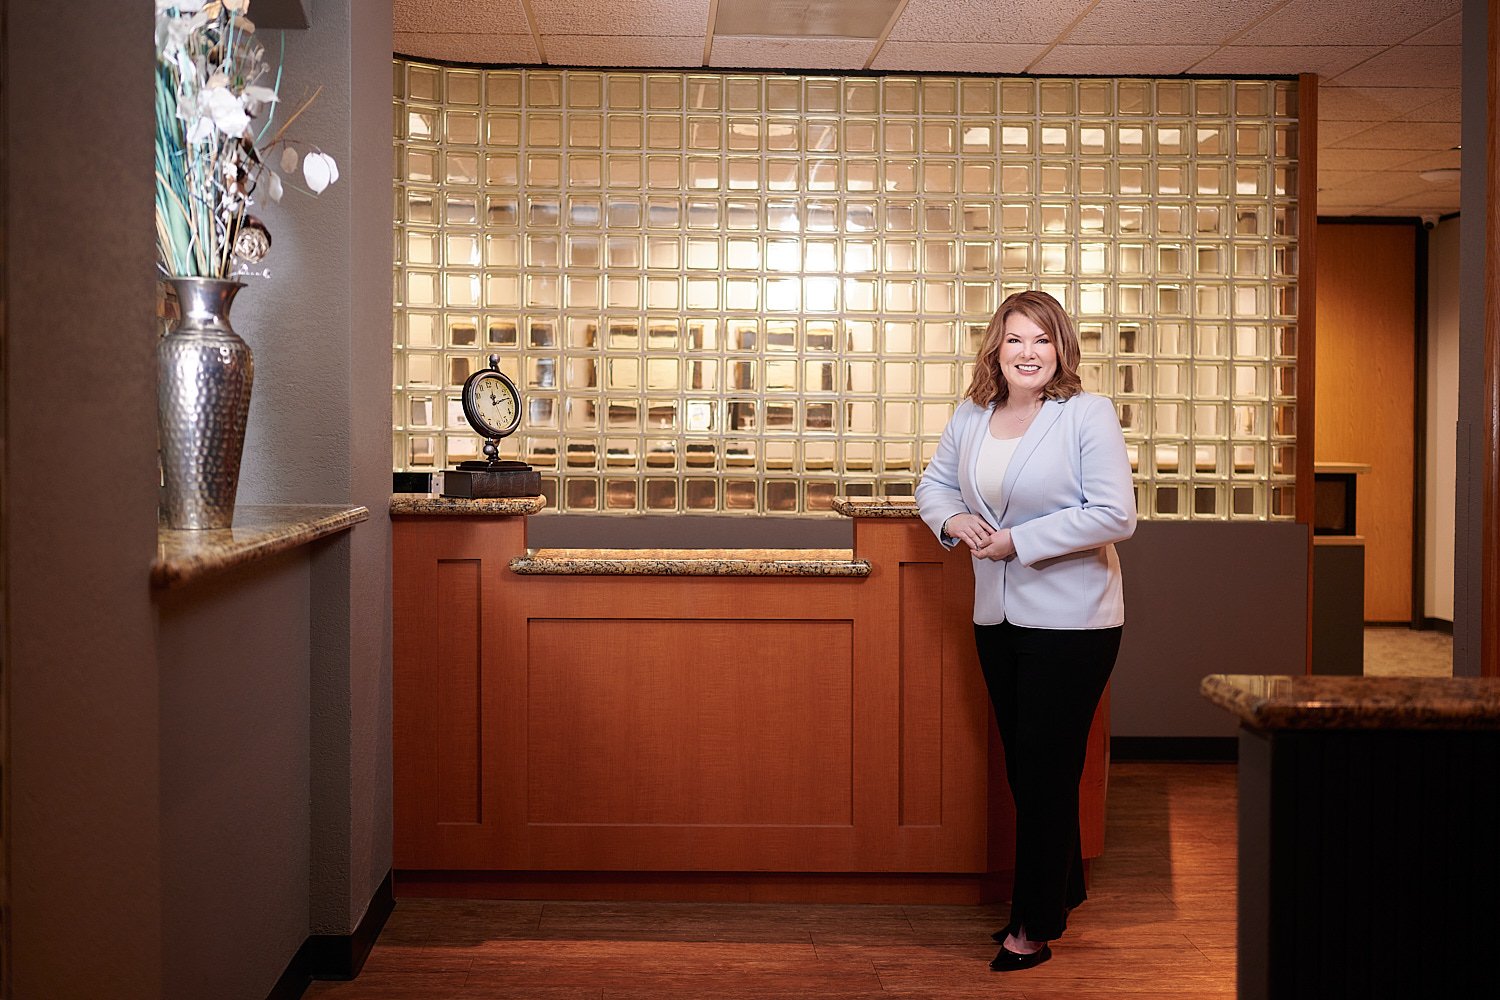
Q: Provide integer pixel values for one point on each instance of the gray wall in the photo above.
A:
(320, 429)
(198, 780)
(1209, 598)
(84, 850)
(1469, 490)
(234, 779)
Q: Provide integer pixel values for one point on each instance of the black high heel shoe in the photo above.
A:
(1010, 961)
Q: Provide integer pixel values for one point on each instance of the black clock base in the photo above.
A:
(492, 481)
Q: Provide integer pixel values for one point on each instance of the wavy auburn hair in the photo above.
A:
(989, 385)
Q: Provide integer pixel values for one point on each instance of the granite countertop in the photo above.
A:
(1318, 702)
(690, 562)
(875, 506)
(433, 503)
(259, 531)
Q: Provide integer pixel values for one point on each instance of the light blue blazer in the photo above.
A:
(1068, 499)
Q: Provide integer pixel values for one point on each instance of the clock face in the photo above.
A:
(491, 404)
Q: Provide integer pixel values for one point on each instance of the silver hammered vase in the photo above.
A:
(204, 373)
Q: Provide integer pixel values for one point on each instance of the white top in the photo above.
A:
(989, 475)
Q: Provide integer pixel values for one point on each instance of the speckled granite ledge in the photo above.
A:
(690, 562)
(259, 531)
(433, 503)
(1313, 702)
(875, 506)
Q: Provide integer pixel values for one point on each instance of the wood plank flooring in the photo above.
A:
(1160, 923)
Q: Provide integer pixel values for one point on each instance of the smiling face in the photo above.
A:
(1028, 357)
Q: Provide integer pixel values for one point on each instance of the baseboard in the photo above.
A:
(336, 956)
(1206, 749)
(1442, 625)
(958, 889)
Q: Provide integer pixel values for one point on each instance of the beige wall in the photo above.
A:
(1442, 419)
(1366, 363)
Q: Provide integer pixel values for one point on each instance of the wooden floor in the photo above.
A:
(1160, 922)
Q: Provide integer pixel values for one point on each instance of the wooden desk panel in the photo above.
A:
(594, 724)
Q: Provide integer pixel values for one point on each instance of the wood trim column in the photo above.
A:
(1489, 566)
(1307, 271)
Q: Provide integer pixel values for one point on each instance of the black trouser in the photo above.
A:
(1045, 685)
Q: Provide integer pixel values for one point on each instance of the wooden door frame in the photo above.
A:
(1489, 593)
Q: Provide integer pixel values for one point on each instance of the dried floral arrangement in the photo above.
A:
(212, 83)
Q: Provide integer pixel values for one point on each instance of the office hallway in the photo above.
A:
(1160, 922)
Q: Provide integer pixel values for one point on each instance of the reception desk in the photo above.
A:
(790, 724)
(1367, 831)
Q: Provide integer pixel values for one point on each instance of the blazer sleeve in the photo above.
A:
(939, 495)
(1107, 511)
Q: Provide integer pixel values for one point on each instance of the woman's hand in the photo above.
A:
(997, 547)
(971, 529)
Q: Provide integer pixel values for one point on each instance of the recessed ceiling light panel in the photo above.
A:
(804, 18)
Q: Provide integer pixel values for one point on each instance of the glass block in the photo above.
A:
(665, 173)
(1184, 289)
(1016, 138)
(1169, 501)
(1056, 97)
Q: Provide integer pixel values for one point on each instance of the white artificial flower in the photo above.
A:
(199, 129)
(224, 109)
(171, 35)
(273, 186)
(256, 96)
(289, 159)
(319, 170)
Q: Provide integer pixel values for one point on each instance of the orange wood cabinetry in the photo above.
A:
(669, 724)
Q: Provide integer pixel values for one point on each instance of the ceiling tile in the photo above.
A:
(956, 57)
(1009, 21)
(1330, 132)
(1448, 108)
(505, 17)
(1449, 31)
(1431, 136)
(1110, 60)
(638, 18)
(1367, 104)
(466, 47)
(1329, 180)
(1393, 184)
(790, 53)
(1407, 66)
(1446, 159)
(1343, 200)
(1363, 159)
(1164, 22)
(1324, 60)
(1436, 201)
(804, 18)
(617, 50)
(1368, 22)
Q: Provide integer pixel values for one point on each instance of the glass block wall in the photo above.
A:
(753, 292)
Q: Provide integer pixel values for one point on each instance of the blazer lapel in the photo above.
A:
(1045, 418)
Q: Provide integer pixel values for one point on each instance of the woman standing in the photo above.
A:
(1031, 474)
